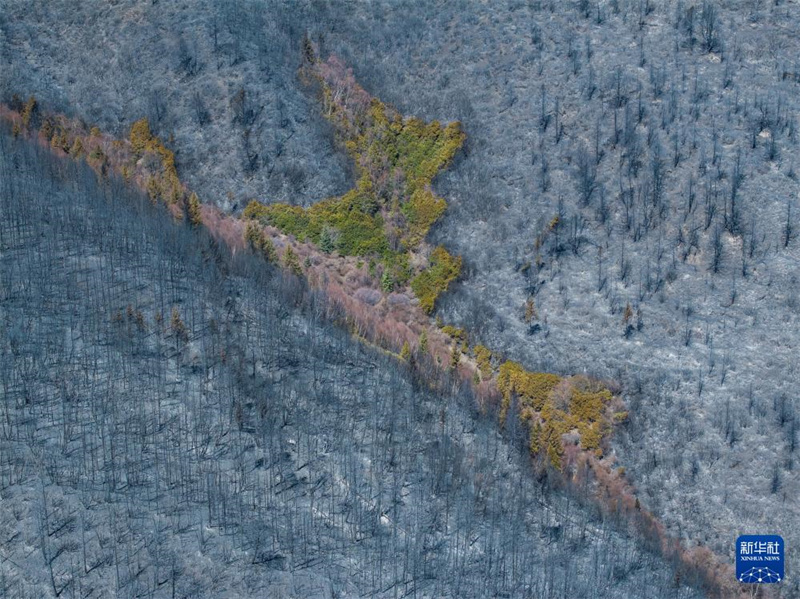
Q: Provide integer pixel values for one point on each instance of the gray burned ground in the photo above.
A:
(662, 135)
(631, 174)
(177, 422)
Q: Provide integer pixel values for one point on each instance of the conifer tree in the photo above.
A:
(455, 357)
(76, 151)
(193, 208)
(423, 341)
(268, 249)
(28, 110)
(291, 262)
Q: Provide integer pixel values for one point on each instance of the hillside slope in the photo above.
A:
(178, 422)
(217, 78)
(662, 135)
(631, 173)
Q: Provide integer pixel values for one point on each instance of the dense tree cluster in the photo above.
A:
(392, 207)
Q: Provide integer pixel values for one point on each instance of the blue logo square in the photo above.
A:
(759, 559)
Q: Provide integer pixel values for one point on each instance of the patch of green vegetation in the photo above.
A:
(435, 279)
(620, 417)
(532, 388)
(258, 241)
(588, 400)
(97, 154)
(144, 142)
(591, 435)
(455, 333)
(140, 135)
(400, 157)
(399, 268)
(553, 406)
(76, 151)
(292, 220)
(291, 261)
(387, 283)
(555, 422)
(423, 341)
(455, 357)
(392, 207)
(423, 150)
(483, 355)
(350, 224)
(421, 210)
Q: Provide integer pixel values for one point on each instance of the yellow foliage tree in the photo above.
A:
(153, 189)
(588, 400)
(46, 129)
(535, 442)
(591, 435)
(76, 151)
(532, 388)
(422, 210)
(455, 333)
(484, 358)
(140, 135)
(193, 210)
(435, 279)
(28, 110)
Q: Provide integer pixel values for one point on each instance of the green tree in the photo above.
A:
(484, 358)
(291, 262)
(387, 281)
(455, 357)
(268, 249)
(423, 341)
(327, 240)
(435, 279)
